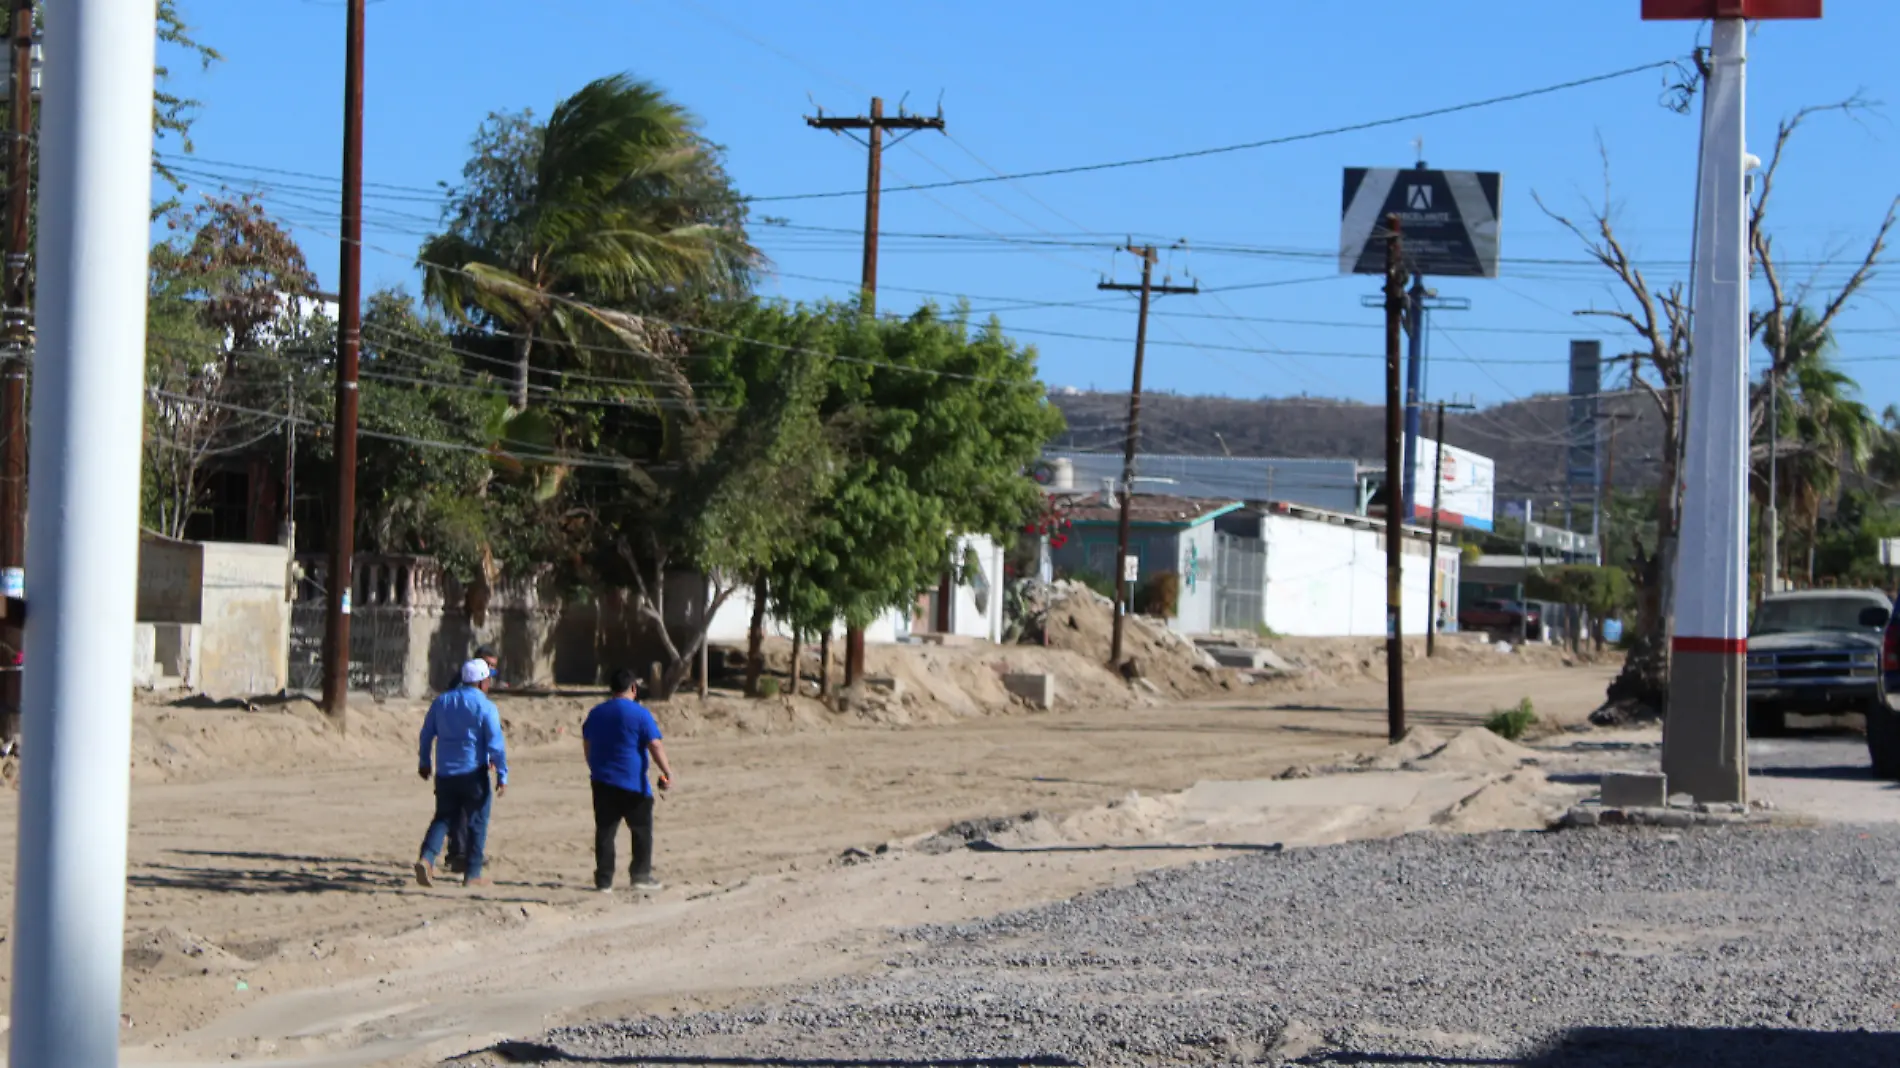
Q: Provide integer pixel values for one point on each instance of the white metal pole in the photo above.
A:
(82, 545)
(1704, 751)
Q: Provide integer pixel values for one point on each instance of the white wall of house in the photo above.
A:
(1327, 579)
(732, 623)
(1194, 609)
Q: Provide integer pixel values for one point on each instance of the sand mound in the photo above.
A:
(1077, 619)
(1474, 750)
(1418, 743)
(1132, 818)
(1519, 801)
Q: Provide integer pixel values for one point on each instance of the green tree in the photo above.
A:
(946, 422)
(1604, 592)
(220, 307)
(562, 233)
(722, 481)
(1820, 431)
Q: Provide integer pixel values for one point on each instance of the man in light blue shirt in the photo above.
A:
(463, 728)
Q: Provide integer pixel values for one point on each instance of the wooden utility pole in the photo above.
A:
(336, 637)
(1148, 291)
(1396, 305)
(19, 342)
(873, 126)
(1438, 498)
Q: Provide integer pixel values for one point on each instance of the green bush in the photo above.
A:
(768, 688)
(1159, 595)
(1513, 723)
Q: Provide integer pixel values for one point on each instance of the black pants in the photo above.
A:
(612, 807)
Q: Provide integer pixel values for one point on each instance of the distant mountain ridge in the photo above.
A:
(1526, 438)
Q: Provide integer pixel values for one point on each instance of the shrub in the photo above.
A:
(768, 688)
(1513, 723)
(1159, 595)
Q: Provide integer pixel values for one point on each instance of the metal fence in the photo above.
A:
(379, 648)
(1240, 573)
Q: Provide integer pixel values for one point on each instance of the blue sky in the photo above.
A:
(1027, 86)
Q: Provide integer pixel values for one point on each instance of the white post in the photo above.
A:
(1704, 734)
(82, 545)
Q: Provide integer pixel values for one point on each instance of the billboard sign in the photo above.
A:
(1449, 219)
(1698, 10)
(1465, 499)
(1586, 386)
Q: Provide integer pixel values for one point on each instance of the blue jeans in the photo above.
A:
(460, 798)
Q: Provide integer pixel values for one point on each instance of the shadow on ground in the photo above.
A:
(538, 1053)
(1676, 1047)
(1694, 1047)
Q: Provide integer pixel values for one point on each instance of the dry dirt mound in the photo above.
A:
(1475, 749)
(1520, 801)
(1076, 618)
(1133, 818)
(1418, 743)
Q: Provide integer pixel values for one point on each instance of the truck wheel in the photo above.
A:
(1766, 723)
(1883, 740)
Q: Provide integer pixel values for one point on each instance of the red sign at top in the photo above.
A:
(1731, 9)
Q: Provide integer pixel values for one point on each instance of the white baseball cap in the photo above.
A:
(474, 671)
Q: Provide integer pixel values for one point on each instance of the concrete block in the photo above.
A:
(1235, 657)
(1038, 689)
(884, 685)
(1635, 790)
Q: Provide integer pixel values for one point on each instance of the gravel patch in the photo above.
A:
(1609, 947)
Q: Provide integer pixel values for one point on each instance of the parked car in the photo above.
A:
(1883, 719)
(1500, 617)
(1816, 652)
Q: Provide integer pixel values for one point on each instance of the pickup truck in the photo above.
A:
(1883, 719)
(1816, 652)
(1499, 617)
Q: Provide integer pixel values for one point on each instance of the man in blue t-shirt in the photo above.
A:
(618, 737)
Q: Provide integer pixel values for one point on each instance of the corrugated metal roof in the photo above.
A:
(1321, 483)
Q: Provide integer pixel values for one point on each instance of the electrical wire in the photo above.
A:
(1287, 139)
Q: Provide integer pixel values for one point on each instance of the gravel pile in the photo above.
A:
(1599, 947)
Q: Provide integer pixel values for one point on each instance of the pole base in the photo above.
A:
(1705, 735)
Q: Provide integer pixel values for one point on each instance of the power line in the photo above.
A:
(1244, 146)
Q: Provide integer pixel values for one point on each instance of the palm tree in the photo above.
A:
(622, 205)
(1819, 431)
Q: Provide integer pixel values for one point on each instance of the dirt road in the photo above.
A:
(269, 915)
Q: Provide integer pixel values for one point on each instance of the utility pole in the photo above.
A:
(1148, 290)
(1598, 529)
(336, 637)
(288, 534)
(1438, 496)
(1705, 753)
(19, 342)
(1395, 312)
(1771, 516)
(873, 125)
(1523, 607)
(94, 225)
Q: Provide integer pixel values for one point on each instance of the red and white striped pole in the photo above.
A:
(1705, 750)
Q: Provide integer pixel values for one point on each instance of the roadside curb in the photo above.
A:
(1591, 814)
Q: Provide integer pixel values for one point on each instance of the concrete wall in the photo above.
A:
(1194, 613)
(976, 611)
(244, 630)
(171, 580)
(1328, 579)
(212, 616)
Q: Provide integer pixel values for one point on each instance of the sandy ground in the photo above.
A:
(270, 916)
